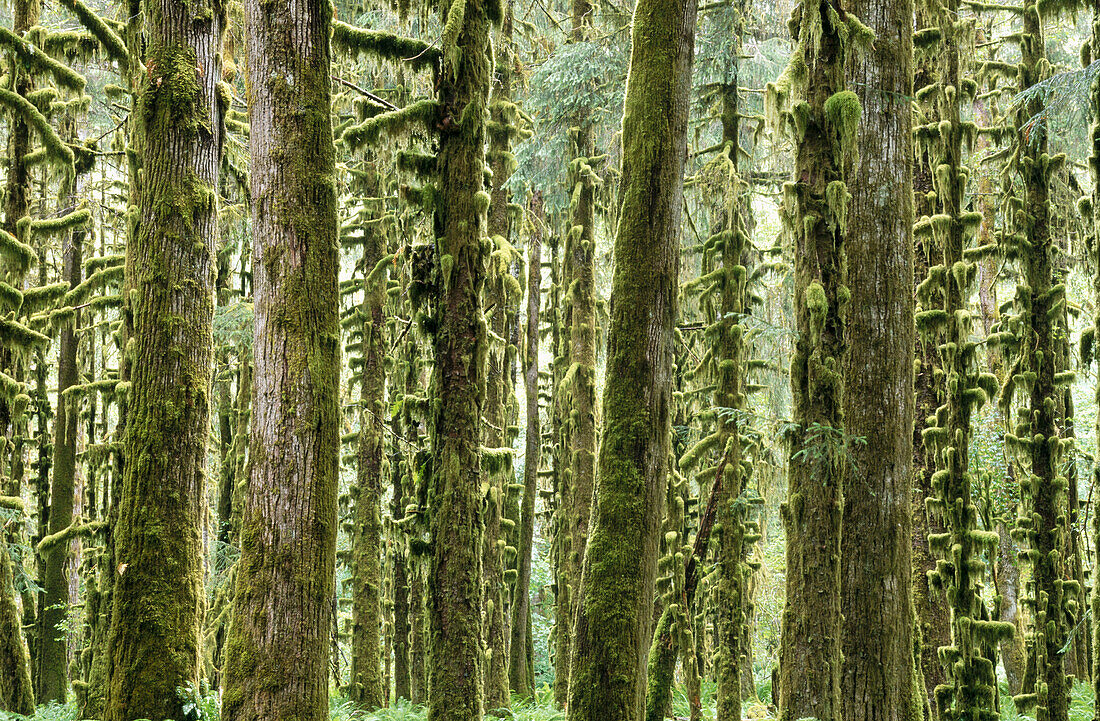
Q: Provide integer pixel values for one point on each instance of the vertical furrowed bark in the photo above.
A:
(284, 595)
(878, 671)
(157, 604)
(460, 343)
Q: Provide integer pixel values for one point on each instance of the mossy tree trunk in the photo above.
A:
(460, 344)
(732, 247)
(615, 603)
(16, 690)
(823, 123)
(969, 687)
(558, 440)
(366, 686)
(284, 594)
(878, 675)
(579, 382)
(53, 655)
(521, 669)
(501, 303)
(1042, 523)
(402, 568)
(155, 633)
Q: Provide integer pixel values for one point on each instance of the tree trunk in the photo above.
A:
(615, 603)
(402, 676)
(1094, 162)
(53, 656)
(819, 464)
(1043, 493)
(456, 497)
(521, 657)
(284, 596)
(878, 672)
(155, 633)
(16, 692)
(366, 668)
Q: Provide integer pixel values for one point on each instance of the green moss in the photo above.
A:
(421, 114)
(385, 46)
(842, 112)
(58, 151)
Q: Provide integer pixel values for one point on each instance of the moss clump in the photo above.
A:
(842, 113)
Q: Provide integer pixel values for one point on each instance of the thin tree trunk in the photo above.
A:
(521, 662)
(366, 683)
(53, 656)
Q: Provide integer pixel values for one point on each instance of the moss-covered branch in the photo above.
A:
(58, 150)
(422, 112)
(385, 46)
(97, 26)
(39, 61)
(78, 528)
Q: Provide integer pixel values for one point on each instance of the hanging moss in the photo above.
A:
(102, 30)
(842, 111)
(59, 152)
(38, 61)
(386, 46)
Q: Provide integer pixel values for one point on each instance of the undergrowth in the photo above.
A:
(204, 707)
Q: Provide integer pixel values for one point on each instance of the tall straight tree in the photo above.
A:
(878, 673)
(277, 652)
(460, 344)
(615, 602)
(822, 118)
(53, 654)
(155, 636)
(521, 671)
(578, 385)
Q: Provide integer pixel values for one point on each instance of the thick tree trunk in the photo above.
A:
(16, 692)
(284, 596)
(878, 672)
(1094, 163)
(456, 497)
(819, 466)
(615, 603)
(155, 632)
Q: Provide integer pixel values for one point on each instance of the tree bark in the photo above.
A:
(53, 656)
(819, 465)
(878, 672)
(284, 596)
(155, 635)
(366, 662)
(460, 344)
(615, 603)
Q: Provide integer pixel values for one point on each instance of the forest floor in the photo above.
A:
(541, 709)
